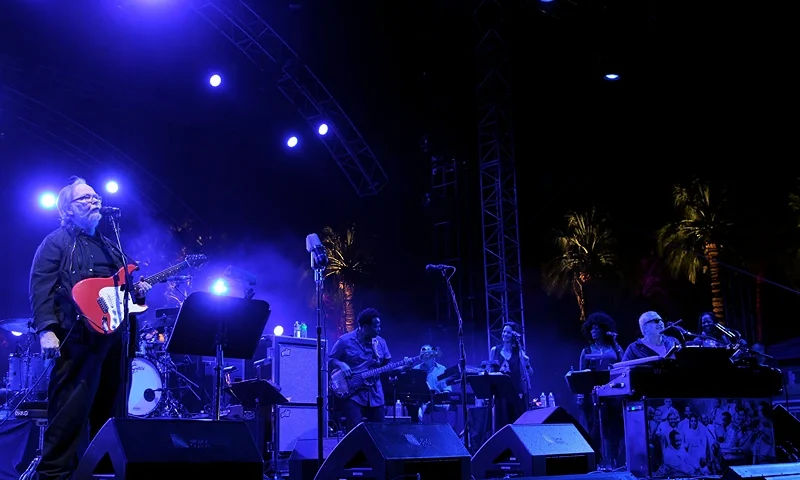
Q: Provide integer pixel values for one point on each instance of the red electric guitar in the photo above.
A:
(100, 300)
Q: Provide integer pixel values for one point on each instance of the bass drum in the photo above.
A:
(146, 388)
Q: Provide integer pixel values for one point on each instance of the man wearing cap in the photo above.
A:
(653, 341)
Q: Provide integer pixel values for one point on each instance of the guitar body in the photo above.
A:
(344, 387)
(100, 301)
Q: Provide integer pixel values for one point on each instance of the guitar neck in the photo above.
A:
(163, 275)
(386, 368)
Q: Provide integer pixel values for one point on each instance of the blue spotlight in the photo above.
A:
(292, 142)
(219, 287)
(323, 129)
(112, 187)
(215, 80)
(48, 200)
(611, 77)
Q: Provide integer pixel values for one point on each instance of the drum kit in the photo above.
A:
(157, 386)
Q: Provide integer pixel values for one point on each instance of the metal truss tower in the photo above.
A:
(444, 203)
(500, 222)
(240, 24)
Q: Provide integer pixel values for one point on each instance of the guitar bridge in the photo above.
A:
(103, 305)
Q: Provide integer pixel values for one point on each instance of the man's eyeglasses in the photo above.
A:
(89, 198)
(655, 320)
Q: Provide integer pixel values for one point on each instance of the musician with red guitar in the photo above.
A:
(85, 379)
(357, 360)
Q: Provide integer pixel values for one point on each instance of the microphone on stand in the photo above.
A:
(110, 211)
(317, 250)
(438, 268)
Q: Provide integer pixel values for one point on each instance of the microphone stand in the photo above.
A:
(462, 360)
(126, 325)
(319, 277)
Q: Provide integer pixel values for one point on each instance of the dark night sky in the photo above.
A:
(137, 76)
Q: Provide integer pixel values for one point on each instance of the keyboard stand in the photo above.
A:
(30, 472)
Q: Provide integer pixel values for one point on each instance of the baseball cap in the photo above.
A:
(648, 317)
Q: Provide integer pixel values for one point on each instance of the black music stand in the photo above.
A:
(492, 386)
(255, 393)
(583, 382)
(409, 385)
(218, 326)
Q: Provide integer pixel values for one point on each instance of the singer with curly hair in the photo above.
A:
(600, 331)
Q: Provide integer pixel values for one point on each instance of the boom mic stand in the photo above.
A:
(126, 328)
(462, 352)
(319, 277)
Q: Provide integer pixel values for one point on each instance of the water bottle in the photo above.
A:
(551, 400)
(304, 330)
(296, 332)
(542, 400)
(398, 409)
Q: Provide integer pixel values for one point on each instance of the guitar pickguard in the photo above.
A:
(110, 300)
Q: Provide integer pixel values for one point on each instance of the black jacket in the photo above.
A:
(638, 349)
(60, 262)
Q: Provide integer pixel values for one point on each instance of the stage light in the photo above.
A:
(611, 77)
(16, 334)
(215, 80)
(219, 287)
(112, 187)
(278, 330)
(323, 129)
(292, 142)
(48, 200)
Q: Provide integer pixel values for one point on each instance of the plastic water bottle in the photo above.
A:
(542, 400)
(551, 400)
(398, 409)
(296, 332)
(303, 330)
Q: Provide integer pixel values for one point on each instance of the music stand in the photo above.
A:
(583, 382)
(254, 393)
(491, 386)
(218, 326)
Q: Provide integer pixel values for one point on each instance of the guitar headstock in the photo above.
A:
(195, 260)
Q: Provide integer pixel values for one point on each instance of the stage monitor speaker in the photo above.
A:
(551, 415)
(380, 451)
(303, 463)
(776, 471)
(165, 449)
(534, 450)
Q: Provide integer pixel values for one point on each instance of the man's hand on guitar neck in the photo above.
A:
(141, 288)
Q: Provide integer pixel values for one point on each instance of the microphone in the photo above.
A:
(110, 211)
(438, 268)
(241, 275)
(726, 331)
(611, 334)
(319, 255)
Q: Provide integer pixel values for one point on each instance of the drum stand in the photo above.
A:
(171, 406)
(30, 472)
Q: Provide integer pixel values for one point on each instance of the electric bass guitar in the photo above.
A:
(101, 300)
(363, 376)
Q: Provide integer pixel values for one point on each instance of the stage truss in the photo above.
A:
(240, 24)
(498, 184)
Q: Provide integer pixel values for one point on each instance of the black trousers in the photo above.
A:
(83, 393)
(354, 413)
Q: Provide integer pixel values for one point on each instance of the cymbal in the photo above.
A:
(17, 325)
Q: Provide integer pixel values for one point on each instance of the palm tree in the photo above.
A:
(586, 251)
(348, 265)
(691, 245)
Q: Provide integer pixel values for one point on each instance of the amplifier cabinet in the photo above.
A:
(293, 366)
(696, 437)
(296, 422)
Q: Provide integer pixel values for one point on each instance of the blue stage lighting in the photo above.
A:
(323, 129)
(292, 142)
(215, 80)
(219, 287)
(48, 200)
(112, 187)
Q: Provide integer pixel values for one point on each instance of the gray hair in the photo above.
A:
(66, 196)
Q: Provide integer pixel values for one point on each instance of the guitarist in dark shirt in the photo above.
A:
(355, 349)
(85, 379)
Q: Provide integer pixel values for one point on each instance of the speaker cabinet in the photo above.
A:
(303, 463)
(164, 449)
(534, 450)
(377, 451)
(551, 415)
(775, 471)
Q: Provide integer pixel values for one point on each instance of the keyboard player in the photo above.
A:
(434, 370)
(653, 342)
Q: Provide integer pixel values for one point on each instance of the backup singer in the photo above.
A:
(603, 351)
(653, 341)
(353, 349)
(514, 362)
(85, 381)
(712, 337)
